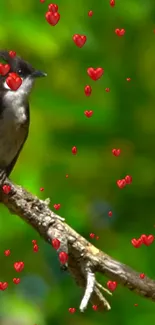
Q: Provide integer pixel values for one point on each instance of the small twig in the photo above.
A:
(90, 283)
(99, 286)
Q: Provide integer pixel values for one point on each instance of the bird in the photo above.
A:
(14, 111)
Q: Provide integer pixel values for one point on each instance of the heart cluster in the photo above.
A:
(13, 80)
(52, 15)
(143, 239)
(123, 182)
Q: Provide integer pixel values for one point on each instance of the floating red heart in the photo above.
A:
(107, 90)
(142, 275)
(112, 285)
(92, 235)
(57, 206)
(19, 266)
(112, 3)
(7, 252)
(116, 152)
(72, 310)
(88, 113)
(35, 248)
(12, 54)
(13, 81)
(136, 242)
(121, 183)
(95, 307)
(110, 213)
(74, 150)
(6, 189)
(90, 13)
(34, 241)
(16, 280)
(63, 257)
(128, 179)
(95, 74)
(55, 243)
(3, 285)
(52, 17)
(120, 32)
(53, 7)
(79, 40)
(4, 69)
(88, 90)
(147, 240)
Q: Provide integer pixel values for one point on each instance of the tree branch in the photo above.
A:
(84, 259)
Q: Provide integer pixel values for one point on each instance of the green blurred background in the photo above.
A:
(123, 118)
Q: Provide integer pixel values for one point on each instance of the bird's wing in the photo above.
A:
(10, 167)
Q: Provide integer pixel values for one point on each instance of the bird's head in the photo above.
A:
(23, 69)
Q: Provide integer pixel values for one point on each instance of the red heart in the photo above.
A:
(12, 54)
(34, 241)
(92, 235)
(19, 266)
(116, 152)
(112, 3)
(35, 248)
(79, 40)
(74, 150)
(121, 183)
(90, 13)
(112, 285)
(128, 179)
(95, 74)
(52, 7)
(63, 257)
(147, 240)
(137, 242)
(52, 17)
(56, 243)
(4, 69)
(95, 307)
(14, 82)
(88, 90)
(120, 32)
(16, 280)
(72, 310)
(3, 285)
(88, 113)
(7, 252)
(142, 275)
(110, 213)
(57, 206)
(6, 189)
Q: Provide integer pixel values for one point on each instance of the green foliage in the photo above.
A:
(123, 118)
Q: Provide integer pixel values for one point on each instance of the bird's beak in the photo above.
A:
(37, 74)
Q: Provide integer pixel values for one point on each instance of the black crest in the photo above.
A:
(17, 64)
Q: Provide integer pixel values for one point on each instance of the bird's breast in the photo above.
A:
(13, 130)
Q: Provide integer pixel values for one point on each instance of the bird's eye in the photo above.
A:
(19, 71)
